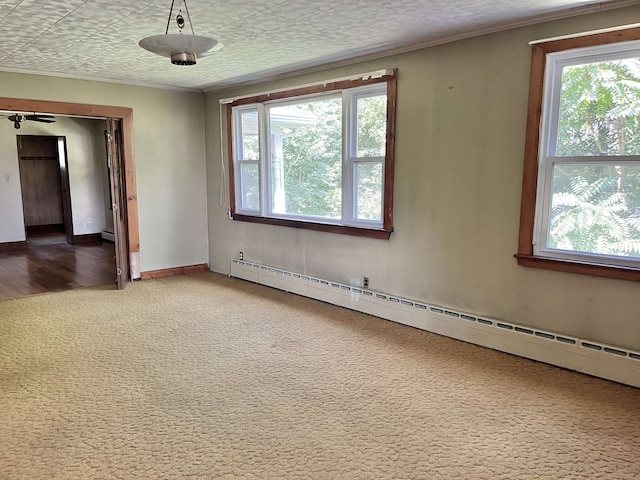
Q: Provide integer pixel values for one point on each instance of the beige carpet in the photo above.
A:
(206, 377)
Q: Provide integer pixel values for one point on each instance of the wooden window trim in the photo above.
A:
(320, 227)
(525, 256)
(387, 208)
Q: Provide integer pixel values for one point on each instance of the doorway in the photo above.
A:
(65, 209)
(120, 149)
(44, 183)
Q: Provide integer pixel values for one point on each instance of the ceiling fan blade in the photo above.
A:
(41, 118)
(17, 119)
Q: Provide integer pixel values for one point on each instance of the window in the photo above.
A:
(317, 157)
(581, 187)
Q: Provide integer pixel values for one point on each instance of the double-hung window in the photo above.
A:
(318, 157)
(585, 216)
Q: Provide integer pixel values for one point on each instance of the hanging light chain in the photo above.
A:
(169, 19)
(179, 18)
(189, 16)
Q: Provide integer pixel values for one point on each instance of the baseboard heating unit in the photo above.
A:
(593, 358)
(107, 235)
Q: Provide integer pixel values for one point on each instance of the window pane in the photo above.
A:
(372, 126)
(306, 158)
(250, 186)
(368, 194)
(250, 142)
(596, 209)
(600, 109)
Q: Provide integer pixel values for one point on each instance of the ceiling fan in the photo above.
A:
(17, 119)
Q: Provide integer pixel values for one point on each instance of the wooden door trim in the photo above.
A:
(13, 246)
(128, 155)
(117, 185)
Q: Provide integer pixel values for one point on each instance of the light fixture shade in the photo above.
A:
(171, 44)
(182, 49)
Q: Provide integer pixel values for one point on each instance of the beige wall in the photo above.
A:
(460, 141)
(169, 151)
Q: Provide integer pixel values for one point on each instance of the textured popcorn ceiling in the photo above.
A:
(262, 38)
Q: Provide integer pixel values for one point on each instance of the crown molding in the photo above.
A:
(345, 60)
(24, 71)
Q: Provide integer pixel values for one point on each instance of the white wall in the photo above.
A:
(106, 186)
(169, 153)
(460, 135)
(11, 213)
(85, 159)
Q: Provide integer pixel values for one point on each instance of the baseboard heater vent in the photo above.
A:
(582, 355)
(108, 235)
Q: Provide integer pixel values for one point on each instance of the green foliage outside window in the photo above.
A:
(596, 206)
(312, 160)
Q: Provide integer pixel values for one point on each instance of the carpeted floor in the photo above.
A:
(206, 377)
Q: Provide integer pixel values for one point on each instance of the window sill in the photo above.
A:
(321, 227)
(593, 269)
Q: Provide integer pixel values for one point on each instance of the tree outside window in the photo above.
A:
(595, 206)
(319, 158)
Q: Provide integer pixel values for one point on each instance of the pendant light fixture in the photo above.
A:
(183, 49)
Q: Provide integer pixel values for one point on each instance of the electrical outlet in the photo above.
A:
(241, 255)
(89, 222)
(7, 178)
(365, 282)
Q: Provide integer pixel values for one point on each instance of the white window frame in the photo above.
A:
(547, 157)
(349, 98)
(240, 160)
(350, 156)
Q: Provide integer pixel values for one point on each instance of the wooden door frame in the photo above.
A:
(118, 192)
(125, 114)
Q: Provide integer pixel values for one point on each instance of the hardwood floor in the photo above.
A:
(51, 265)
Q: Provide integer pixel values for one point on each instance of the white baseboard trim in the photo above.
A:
(585, 356)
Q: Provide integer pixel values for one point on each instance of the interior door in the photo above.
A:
(118, 195)
(40, 182)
